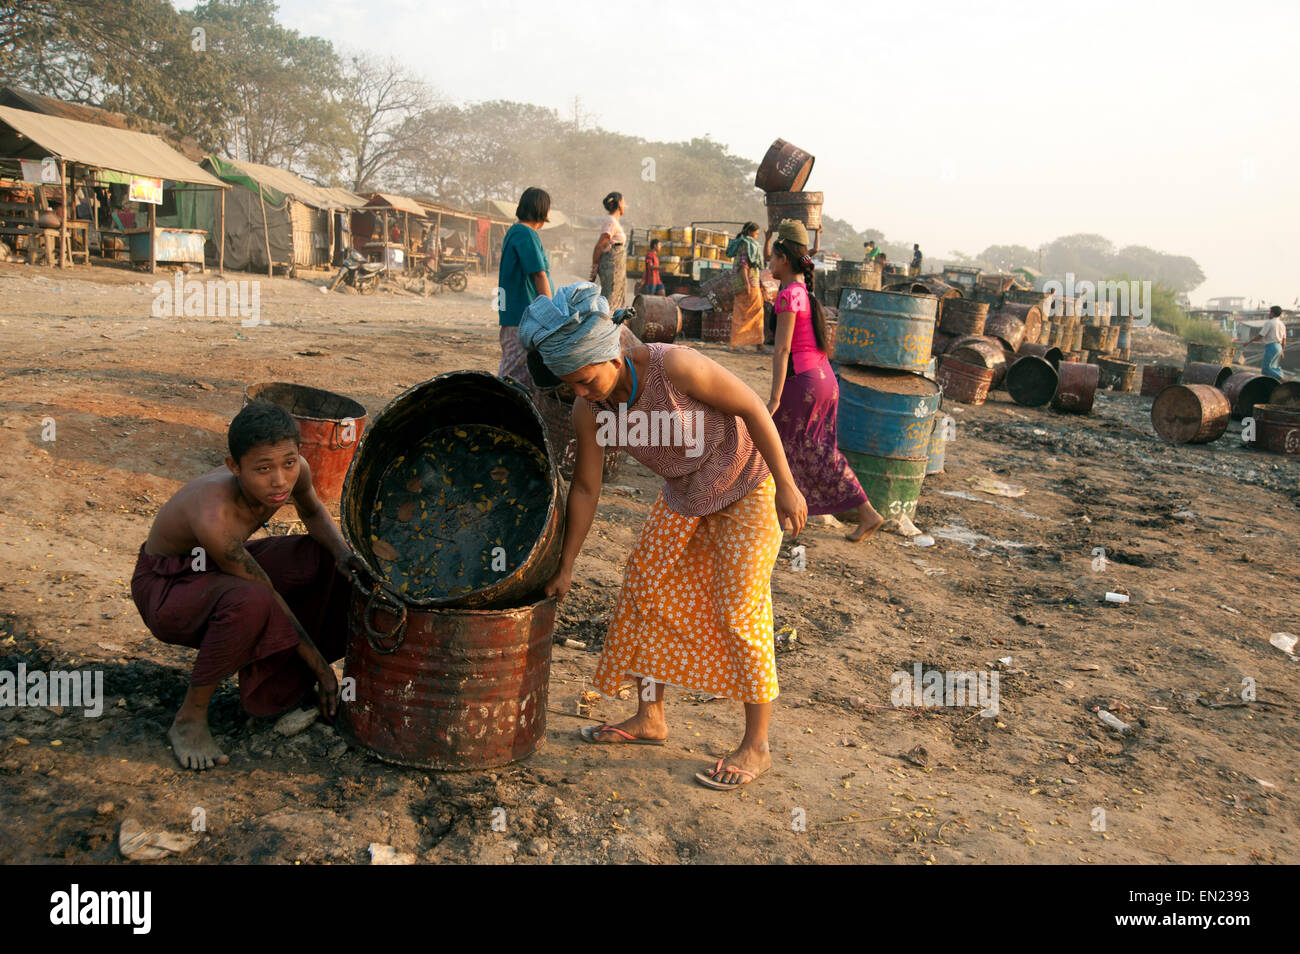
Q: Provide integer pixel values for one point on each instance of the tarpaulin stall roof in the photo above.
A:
(29, 135)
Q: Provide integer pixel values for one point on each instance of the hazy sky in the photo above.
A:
(953, 124)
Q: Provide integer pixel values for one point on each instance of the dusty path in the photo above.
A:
(1202, 538)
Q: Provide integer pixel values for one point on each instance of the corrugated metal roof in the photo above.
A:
(104, 147)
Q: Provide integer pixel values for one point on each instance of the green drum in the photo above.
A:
(893, 486)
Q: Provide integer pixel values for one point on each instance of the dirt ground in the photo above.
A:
(1201, 538)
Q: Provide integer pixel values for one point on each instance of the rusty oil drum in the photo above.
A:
(1032, 380)
(1190, 413)
(1206, 372)
(805, 207)
(330, 425)
(1245, 389)
(1116, 375)
(1077, 387)
(1049, 352)
(785, 168)
(967, 383)
(1210, 354)
(455, 398)
(981, 351)
(883, 329)
(1277, 428)
(858, 275)
(446, 689)
(1013, 324)
(961, 316)
(658, 319)
(1157, 377)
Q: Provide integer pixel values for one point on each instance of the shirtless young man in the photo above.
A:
(274, 609)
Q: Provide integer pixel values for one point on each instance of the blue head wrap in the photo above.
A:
(571, 330)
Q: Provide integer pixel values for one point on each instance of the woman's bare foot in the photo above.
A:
(752, 760)
(869, 521)
(644, 725)
(193, 744)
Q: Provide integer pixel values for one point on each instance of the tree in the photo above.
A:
(382, 105)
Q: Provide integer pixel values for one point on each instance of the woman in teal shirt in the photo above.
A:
(525, 274)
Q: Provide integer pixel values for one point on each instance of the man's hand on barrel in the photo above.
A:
(349, 564)
(558, 585)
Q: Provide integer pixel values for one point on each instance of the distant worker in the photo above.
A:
(653, 283)
(747, 312)
(525, 274)
(609, 257)
(871, 252)
(1273, 334)
(916, 259)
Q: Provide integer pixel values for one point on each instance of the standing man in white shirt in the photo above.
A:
(1273, 334)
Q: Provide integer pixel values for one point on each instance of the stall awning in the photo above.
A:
(399, 202)
(28, 135)
(278, 183)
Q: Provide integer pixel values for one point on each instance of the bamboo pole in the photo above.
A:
(63, 217)
(221, 235)
(153, 238)
(266, 232)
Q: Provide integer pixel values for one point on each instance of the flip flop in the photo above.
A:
(708, 781)
(589, 735)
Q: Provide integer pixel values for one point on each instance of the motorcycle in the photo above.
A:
(356, 271)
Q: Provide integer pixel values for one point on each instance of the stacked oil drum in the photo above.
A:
(888, 403)
(1046, 364)
(1194, 404)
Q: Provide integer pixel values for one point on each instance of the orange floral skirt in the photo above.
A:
(695, 610)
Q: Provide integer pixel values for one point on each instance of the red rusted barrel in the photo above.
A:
(421, 510)
(447, 689)
(330, 424)
(805, 207)
(1157, 377)
(983, 352)
(785, 168)
(1050, 353)
(1076, 388)
(940, 343)
(1030, 316)
(1206, 372)
(961, 316)
(658, 319)
(907, 286)
(693, 308)
(1190, 413)
(1012, 324)
(968, 383)
(719, 291)
(1245, 389)
(1115, 374)
(1277, 428)
(1032, 381)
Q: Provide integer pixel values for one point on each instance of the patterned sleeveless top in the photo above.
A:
(707, 458)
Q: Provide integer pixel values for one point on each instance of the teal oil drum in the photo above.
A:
(885, 413)
(893, 486)
(882, 329)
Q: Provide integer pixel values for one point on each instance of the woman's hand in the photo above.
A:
(558, 585)
(772, 405)
(791, 506)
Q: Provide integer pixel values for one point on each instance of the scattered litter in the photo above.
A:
(1115, 723)
(1064, 683)
(967, 495)
(972, 539)
(388, 855)
(1265, 784)
(1039, 432)
(1225, 606)
(903, 526)
(138, 843)
(1005, 660)
(1186, 515)
(785, 638)
(575, 644)
(999, 488)
(918, 755)
(922, 540)
(1086, 667)
(623, 490)
(1116, 597)
(299, 720)
(1285, 642)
